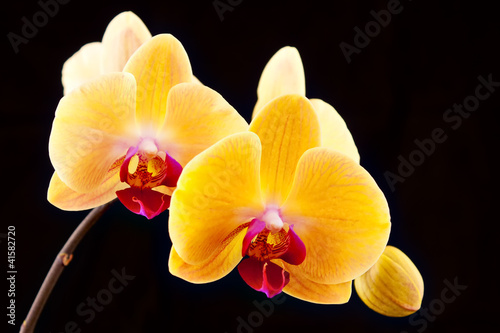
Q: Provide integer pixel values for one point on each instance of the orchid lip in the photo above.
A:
(146, 202)
(266, 277)
(262, 246)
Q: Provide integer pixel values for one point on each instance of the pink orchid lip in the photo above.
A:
(146, 202)
(264, 276)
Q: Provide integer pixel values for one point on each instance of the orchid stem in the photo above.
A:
(60, 262)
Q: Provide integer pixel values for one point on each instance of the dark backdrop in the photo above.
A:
(396, 89)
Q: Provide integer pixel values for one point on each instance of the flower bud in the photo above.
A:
(393, 286)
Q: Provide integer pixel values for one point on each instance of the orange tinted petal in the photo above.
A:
(283, 75)
(334, 131)
(287, 127)
(303, 288)
(340, 214)
(61, 196)
(82, 66)
(197, 117)
(157, 66)
(216, 267)
(123, 36)
(93, 127)
(217, 192)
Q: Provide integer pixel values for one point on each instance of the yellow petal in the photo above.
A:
(157, 65)
(124, 34)
(93, 127)
(82, 66)
(216, 267)
(283, 74)
(334, 131)
(61, 196)
(340, 214)
(197, 117)
(393, 286)
(287, 127)
(302, 288)
(217, 193)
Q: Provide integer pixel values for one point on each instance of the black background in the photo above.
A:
(394, 91)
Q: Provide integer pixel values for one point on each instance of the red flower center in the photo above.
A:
(261, 246)
(145, 168)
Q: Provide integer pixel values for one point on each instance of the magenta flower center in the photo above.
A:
(144, 168)
(270, 239)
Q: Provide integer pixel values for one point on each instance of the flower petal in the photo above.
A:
(296, 252)
(393, 286)
(124, 34)
(334, 131)
(303, 288)
(126, 162)
(263, 276)
(61, 196)
(254, 228)
(217, 192)
(144, 201)
(158, 65)
(283, 75)
(174, 170)
(197, 117)
(340, 214)
(287, 126)
(216, 267)
(82, 66)
(93, 127)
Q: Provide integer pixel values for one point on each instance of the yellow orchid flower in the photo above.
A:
(123, 36)
(393, 286)
(128, 134)
(307, 219)
(284, 74)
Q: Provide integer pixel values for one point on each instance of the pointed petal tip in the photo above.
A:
(283, 74)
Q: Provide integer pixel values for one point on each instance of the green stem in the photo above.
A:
(61, 261)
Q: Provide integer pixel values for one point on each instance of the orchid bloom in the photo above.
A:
(306, 219)
(393, 286)
(123, 36)
(284, 74)
(128, 134)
